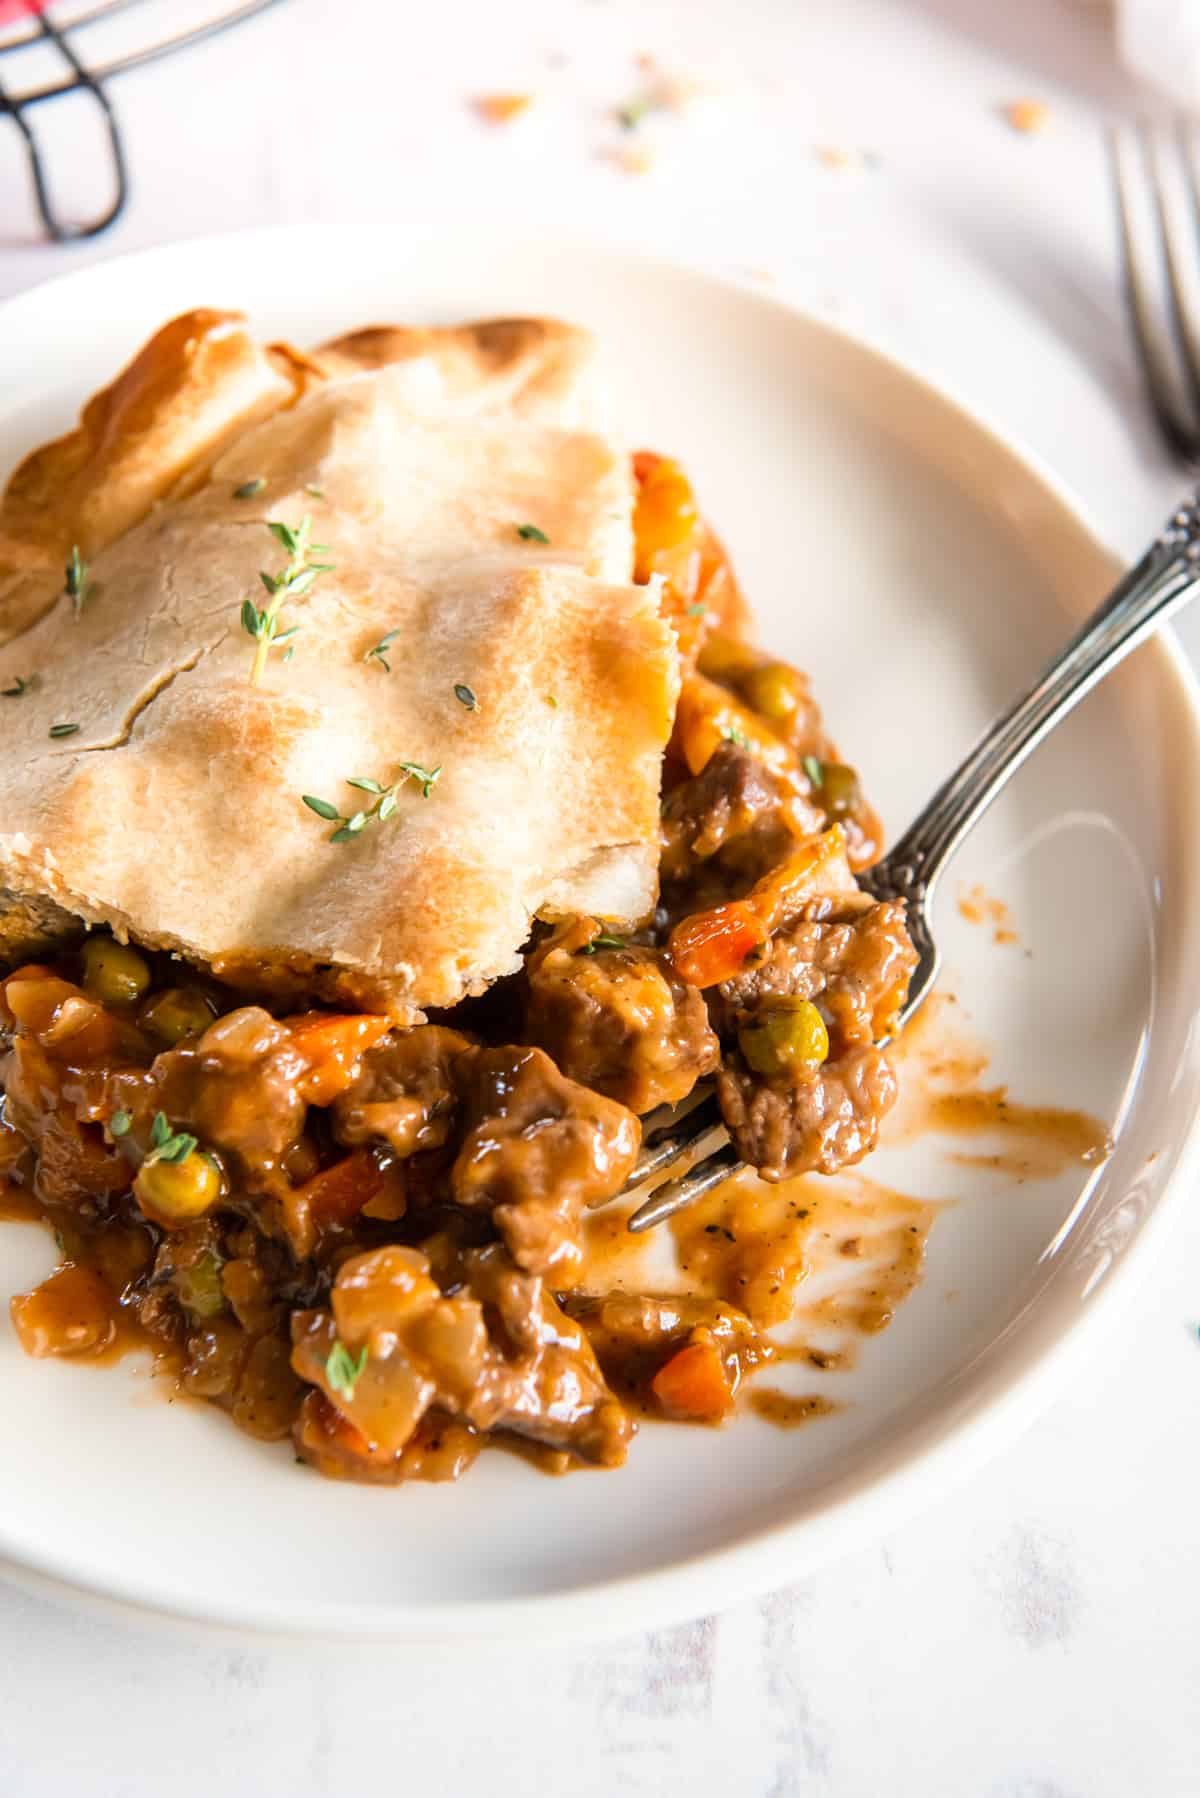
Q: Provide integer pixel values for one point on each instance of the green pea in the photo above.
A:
(180, 1012)
(788, 1035)
(839, 794)
(774, 691)
(114, 973)
(175, 1192)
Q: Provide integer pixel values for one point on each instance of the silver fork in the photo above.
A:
(1166, 577)
(1158, 205)
(1157, 186)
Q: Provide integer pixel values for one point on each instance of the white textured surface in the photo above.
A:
(1032, 1636)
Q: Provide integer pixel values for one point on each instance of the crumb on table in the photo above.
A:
(1027, 116)
(500, 109)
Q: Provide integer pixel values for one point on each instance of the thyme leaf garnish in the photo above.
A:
(529, 533)
(75, 575)
(344, 1370)
(262, 622)
(814, 770)
(351, 824)
(63, 730)
(168, 1144)
(630, 116)
(22, 683)
(734, 734)
(465, 696)
(378, 651)
(248, 489)
(603, 941)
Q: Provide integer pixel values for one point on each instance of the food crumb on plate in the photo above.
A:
(977, 906)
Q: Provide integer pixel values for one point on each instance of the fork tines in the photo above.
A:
(1156, 173)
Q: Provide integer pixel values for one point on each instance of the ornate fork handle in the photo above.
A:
(1162, 581)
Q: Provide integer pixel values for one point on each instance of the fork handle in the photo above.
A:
(1165, 578)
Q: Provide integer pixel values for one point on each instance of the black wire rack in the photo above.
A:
(78, 75)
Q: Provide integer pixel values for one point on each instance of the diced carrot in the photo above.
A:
(664, 518)
(693, 1383)
(331, 1044)
(712, 946)
(816, 867)
(337, 1194)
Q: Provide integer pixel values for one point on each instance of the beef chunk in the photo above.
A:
(405, 1092)
(537, 1149)
(735, 815)
(496, 1354)
(622, 1023)
(827, 1119)
(542, 1379)
(854, 959)
(237, 1087)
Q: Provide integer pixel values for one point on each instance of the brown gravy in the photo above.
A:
(838, 1251)
(942, 1094)
(81, 1298)
(788, 1410)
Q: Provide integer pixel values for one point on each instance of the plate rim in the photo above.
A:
(765, 1558)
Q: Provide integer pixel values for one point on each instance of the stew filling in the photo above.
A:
(371, 1237)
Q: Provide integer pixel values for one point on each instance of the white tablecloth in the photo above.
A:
(1033, 1634)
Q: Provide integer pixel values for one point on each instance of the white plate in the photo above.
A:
(921, 571)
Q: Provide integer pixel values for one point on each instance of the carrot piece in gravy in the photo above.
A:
(693, 1383)
(712, 946)
(331, 1044)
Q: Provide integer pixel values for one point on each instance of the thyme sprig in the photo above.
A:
(353, 823)
(814, 770)
(262, 623)
(22, 684)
